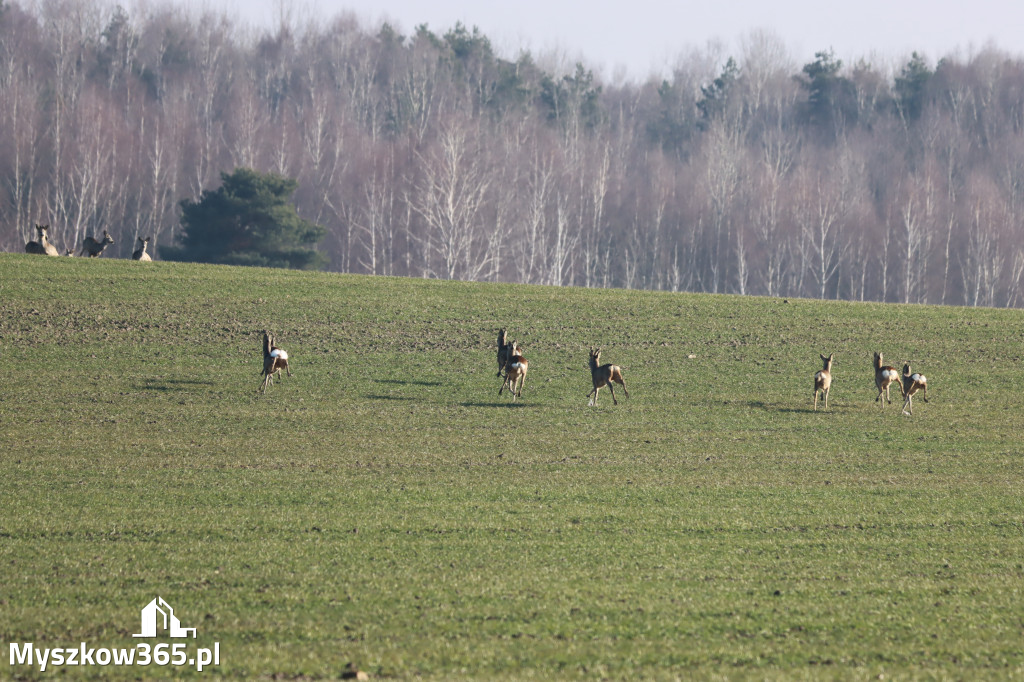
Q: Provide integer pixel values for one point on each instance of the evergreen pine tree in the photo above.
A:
(248, 221)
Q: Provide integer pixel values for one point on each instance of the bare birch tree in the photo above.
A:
(450, 199)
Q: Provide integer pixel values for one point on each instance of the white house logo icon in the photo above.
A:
(171, 622)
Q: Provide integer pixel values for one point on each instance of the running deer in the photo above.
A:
(94, 248)
(274, 360)
(43, 247)
(912, 383)
(515, 371)
(823, 380)
(503, 349)
(604, 375)
(884, 376)
(140, 253)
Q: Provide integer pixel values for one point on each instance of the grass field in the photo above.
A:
(385, 506)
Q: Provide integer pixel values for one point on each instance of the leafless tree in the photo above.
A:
(723, 179)
(432, 154)
(450, 199)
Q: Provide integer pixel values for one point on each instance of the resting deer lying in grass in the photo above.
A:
(43, 247)
(912, 383)
(274, 360)
(140, 253)
(515, 371)
(823, 380)
(503, 348)
(94, 248)
(604, 375)
(884, 376)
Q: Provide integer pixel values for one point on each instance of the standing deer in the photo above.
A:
(274, 360)
(140, 253)
(503, 348)
(94, 248)
(823, 380)
(885, 376)
(515, 371)
(912, 383)
(604, 375)
(43, 247)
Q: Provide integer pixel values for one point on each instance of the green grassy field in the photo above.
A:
(385, 506)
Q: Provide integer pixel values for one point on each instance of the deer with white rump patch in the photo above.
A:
(823, 380)
(884, 376)
(43, 247)
(140, 253)
(604, 375)
(94, 248)
(912, 383)
(515, 371)
(274, 360)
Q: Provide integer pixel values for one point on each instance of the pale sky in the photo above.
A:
(637, 37)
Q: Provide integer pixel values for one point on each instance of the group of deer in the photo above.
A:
(91, 246)
(909, 383)
(512, 367)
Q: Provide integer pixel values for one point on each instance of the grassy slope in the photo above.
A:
(385, 506)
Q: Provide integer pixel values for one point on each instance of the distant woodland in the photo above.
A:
(429, 155)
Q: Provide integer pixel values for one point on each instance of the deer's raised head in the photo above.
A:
(140, 253)
(823, 379)
(912, 383)
(43, 246)
(274, 360)
(604, 376)
(93, 247)
(515, 371)
(884, 376)
(503, 350)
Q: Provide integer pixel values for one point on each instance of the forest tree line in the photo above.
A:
(429, 155)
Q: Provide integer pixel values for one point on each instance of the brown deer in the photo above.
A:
(503, 348)
(94, 248)
(912, 383)
(43, 247)
(274, 360)
(604, 375)
(140, 253)
(884, 376)
(515, 371)
(823, 380)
